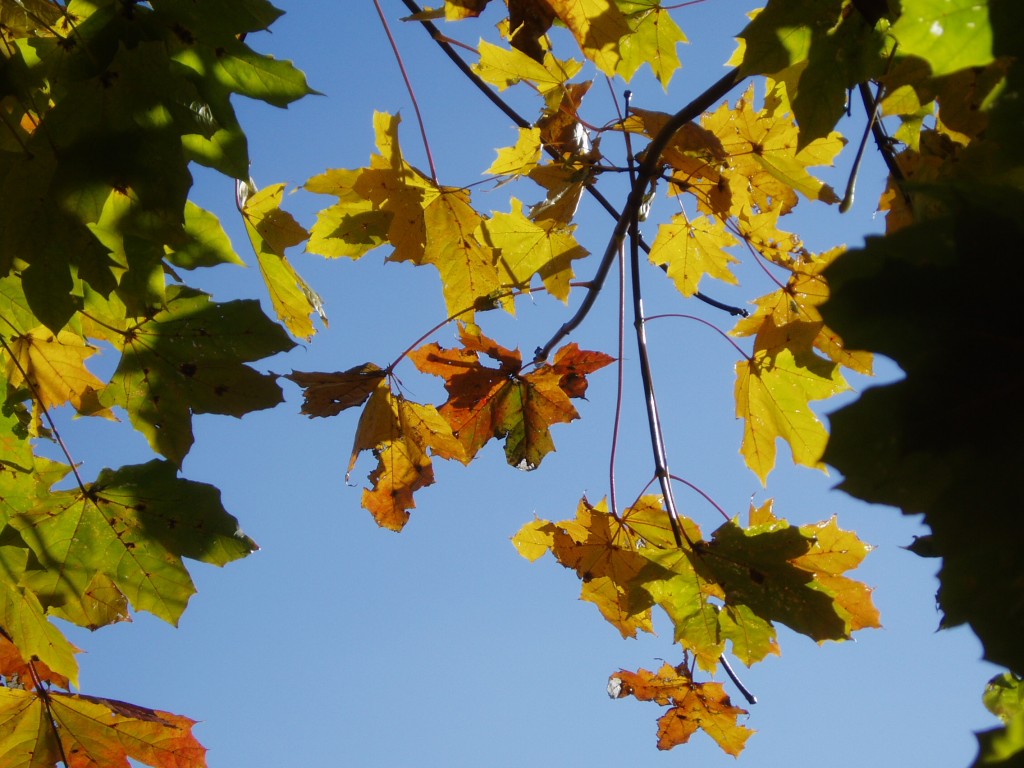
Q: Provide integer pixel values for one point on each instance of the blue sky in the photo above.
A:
(342, 644)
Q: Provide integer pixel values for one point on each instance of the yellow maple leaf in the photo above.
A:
(468, 267)
(693, 248)
(272, 231)
(53, 366)
(519, 159)
(392, 202)
(773, 393)
(603, 552)
(504, 67)
(399, 433)
(762, 146)
(790, 316)
(93, 732)
(598, 26)
(653, 40)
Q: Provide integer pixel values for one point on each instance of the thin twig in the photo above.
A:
(751, 698)
(620, 367)
(872, 110)
(408, 85)
(883, 142)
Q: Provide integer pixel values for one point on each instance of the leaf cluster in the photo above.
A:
(106, 104)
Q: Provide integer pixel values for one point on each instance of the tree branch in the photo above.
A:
(648, 170)
(438, 37)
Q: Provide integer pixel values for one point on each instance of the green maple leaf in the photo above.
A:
(948, 34)
(133, 525)
(22, 617)
(190, 358)
(207, 243)
(754, 568)
(654, 38)
(818, 51)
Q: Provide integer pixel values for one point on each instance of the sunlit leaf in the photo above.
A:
(93, 733)
(134, 525)
(692, 706)
(272, 231)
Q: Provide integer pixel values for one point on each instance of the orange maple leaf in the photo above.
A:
(703, 706)
(93, 732)
(399, 433)
(504, 402)
(327, 394)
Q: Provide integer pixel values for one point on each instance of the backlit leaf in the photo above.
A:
(504, 68)
(53, 365)
(773, 394)
(526, 248)
(272, 231)
(505, 403)
(653, 40)
(693, 706)
(400, 433)
(693, 248)
(22, 620)
(134, 526)
(190, 358)
(327, 394)
(94, 733)
(948, 34)
(598, 26)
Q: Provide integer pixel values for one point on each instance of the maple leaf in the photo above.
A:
(949, 35)
(354, 225)
(272, 231)
(690, 249)
(792, 313)
(788, 574)
(529, 21)
(504, 68)
(190, 357)
(328, 394)
(521, 158)
(133, 525)
(14, 667)
(598, 26)
(763, 148)
(93, 732)
(485, 403)
(426, 223)
(526, 248)
(653, 38)
(693, 706)
(774, 388)
(604, 553)
(23, 623)
(53, 366)
(399, 433)
(821, 49)
(205, 244)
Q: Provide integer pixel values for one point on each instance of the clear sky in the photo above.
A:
(343, 644)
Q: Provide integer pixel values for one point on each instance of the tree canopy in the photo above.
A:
(111, 107)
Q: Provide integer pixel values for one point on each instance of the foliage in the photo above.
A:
(106, 104)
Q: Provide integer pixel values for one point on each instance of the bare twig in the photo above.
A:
(408, 85)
